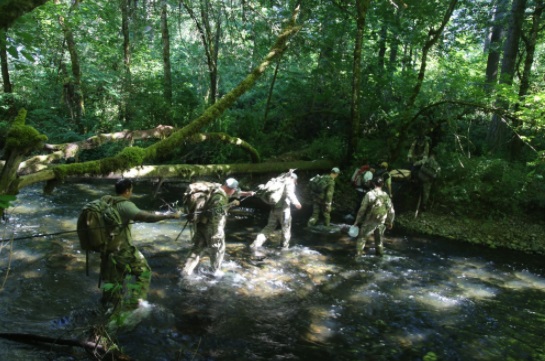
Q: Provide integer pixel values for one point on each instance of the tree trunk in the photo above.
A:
(4, 61)
(124, 112)
(355, 129)
(269, 97)
(167, 72)
(72, 84)
(498, 132)
(209, 41)
(394, 46)
(21, 140)
(382, 47)
(494, 44)
(530, 45)
(187, 172)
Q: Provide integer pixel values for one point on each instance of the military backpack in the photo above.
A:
(99, 225)
(272, 191)
(195, 199)
(318, 183)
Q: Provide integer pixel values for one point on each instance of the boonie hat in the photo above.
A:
(335, 170)
(384, 165)
(231, 183)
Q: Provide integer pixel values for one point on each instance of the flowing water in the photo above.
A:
(425, 299)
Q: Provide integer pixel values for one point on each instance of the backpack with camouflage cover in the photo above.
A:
(196, 198)
(272, 191)
(318, 183)
(99, 225)
(429, 170)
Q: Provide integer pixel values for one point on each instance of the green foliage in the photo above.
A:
(490, 188)
(327, 148)
(5, 200)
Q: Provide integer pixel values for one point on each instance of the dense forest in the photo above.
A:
(98, 87)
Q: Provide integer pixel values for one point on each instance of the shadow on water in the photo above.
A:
(424, 300)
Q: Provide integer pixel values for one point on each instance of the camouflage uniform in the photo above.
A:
(376, 210)
(280, 215)
(321, 202)
(126, 264)
(209, 234)
(426, 180)
(420, 150)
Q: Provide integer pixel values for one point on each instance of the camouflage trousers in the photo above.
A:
(125, 277)
(319, 208)
(426, 189)
(208, 239)
(277, 217)
(366, 230)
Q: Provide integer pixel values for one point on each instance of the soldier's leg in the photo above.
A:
(217, 252)
(315, 213)
(379, 248)
(327, 217)
(426, 187)
(286, 227)
(365, 231)
(196, 251)
(267, 231)
(111, 280)
(141, 270)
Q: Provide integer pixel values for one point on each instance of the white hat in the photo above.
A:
(231, 183)
(335, 170)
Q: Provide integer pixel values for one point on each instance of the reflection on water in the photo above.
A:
(424, 300)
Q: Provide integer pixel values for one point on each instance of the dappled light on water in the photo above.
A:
(315, 301)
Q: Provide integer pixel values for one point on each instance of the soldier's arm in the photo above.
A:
(149, 217)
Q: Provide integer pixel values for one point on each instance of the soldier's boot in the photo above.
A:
(360, 248)
(190, 264)
(311, 222)
(379, 251)
(259, 240)
(327, 220)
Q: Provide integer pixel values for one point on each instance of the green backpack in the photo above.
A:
(318, 183)
(100, 226)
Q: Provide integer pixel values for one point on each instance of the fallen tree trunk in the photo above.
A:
(187, 172)
(94, 349)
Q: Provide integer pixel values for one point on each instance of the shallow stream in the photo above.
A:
(425, 299)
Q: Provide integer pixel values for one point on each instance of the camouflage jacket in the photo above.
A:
(376, 207)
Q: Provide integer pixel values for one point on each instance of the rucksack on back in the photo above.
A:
(357, 177)
(318, 183)
(99, 225)
(428, 171)
(272, 191)
(196, 197)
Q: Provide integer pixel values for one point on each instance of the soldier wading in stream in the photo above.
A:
(375, 214)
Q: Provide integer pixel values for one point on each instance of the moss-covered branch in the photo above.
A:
(185, 172)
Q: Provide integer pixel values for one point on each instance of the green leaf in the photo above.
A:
(5, 200)
(13, 52)
(28, 56)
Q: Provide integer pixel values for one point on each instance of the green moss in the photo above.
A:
(126, 159)
(23, 137)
